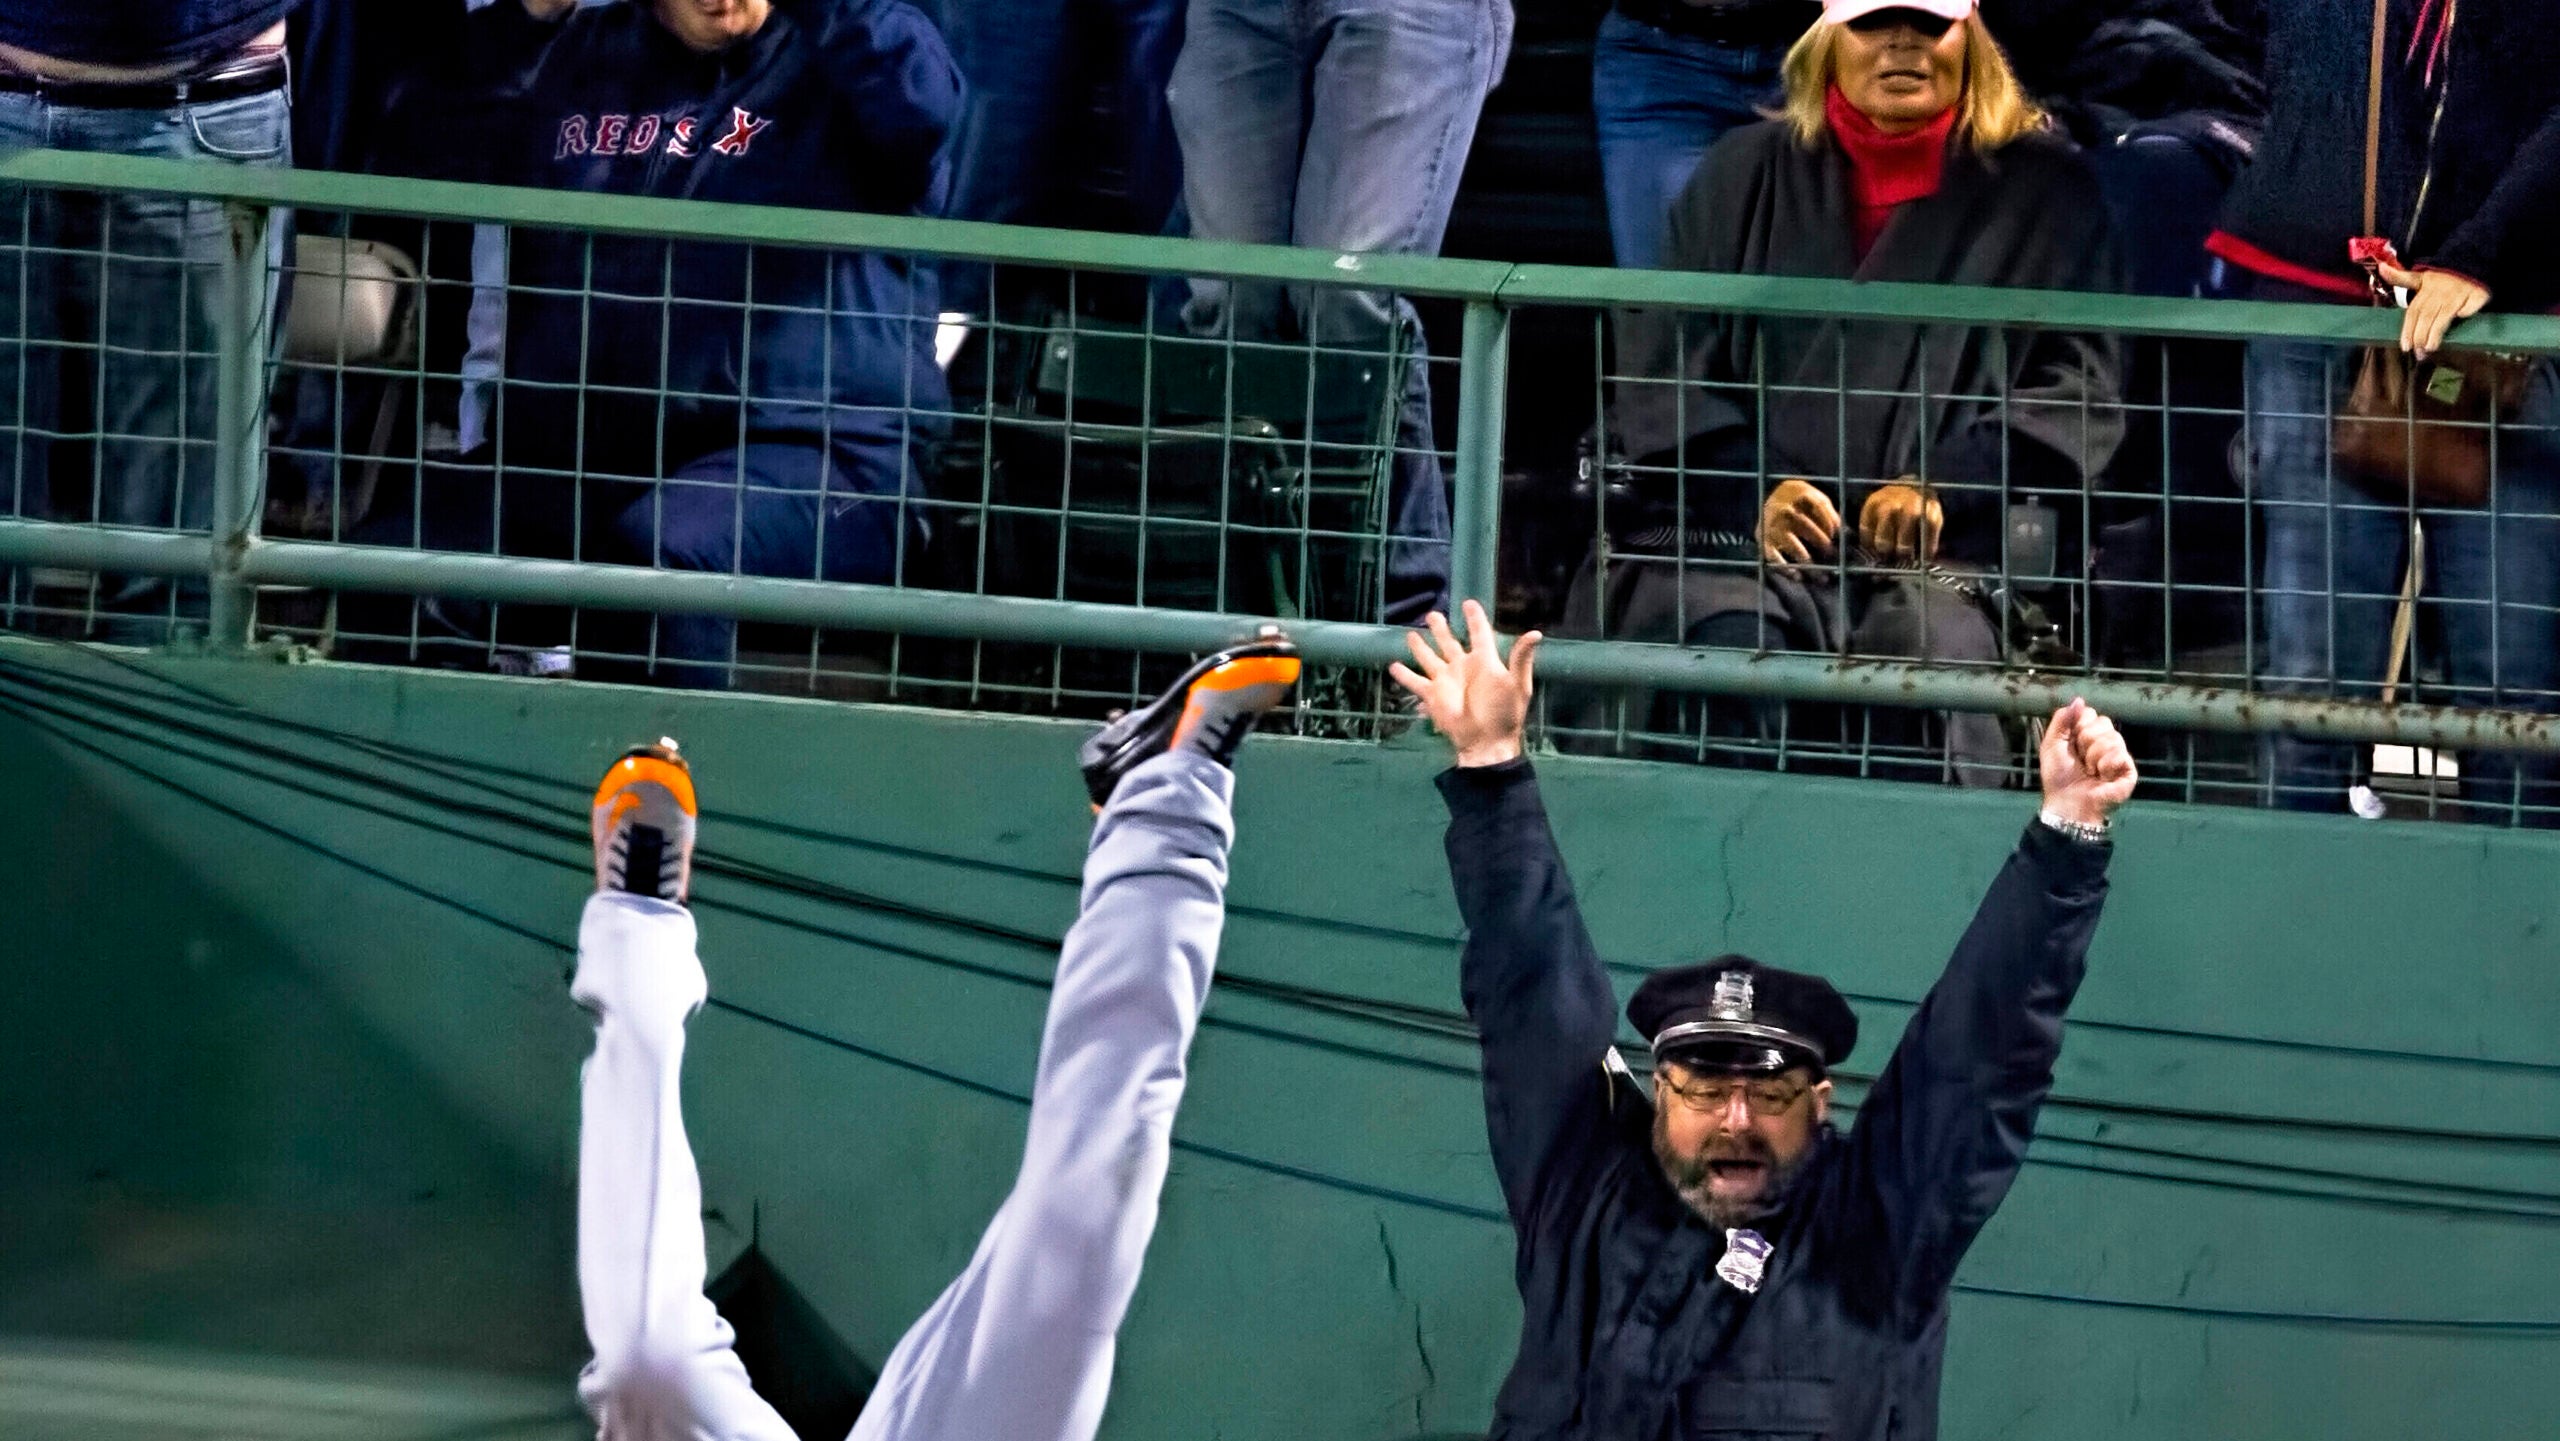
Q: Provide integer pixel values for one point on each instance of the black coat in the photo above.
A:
(1764, 204)
(2491, 176)
(1628, 1333)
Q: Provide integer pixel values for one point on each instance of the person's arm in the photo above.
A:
(1946, 1125)
(2454, 282)
(502, 43)
(458, 111)
(892, 76)
(2514, 219)
(1533, 983)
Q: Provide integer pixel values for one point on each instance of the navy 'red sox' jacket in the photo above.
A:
(832, 105)
(1628, 1333)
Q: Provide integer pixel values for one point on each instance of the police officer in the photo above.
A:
(1719, 1260)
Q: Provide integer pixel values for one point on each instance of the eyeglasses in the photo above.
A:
(1930, 25)
(1764, 1098)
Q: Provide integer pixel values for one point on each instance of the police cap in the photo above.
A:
(1735, 1014)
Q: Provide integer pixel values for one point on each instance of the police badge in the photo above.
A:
(1746, 1259)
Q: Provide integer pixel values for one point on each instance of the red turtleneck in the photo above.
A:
(1886, 170)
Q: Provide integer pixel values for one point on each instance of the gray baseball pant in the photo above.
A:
(1020, 1346)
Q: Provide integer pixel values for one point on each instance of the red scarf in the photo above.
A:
(1885, 170)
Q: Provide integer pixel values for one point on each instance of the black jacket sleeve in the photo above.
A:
(501, 45)
(2513, 226)
(896, 84)
(459, 110)
(1946, 1125)
(1534, 986)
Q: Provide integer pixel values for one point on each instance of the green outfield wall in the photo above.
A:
(292, 1067)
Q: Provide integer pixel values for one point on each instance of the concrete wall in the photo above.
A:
(2311, 1098)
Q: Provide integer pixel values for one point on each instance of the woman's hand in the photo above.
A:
(2437, 298)
(1797, 523)
(1901, 523)
(1472, 695)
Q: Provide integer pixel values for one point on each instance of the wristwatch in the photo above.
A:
(2085, 834)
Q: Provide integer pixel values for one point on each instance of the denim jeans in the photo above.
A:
(1339, 125)
(767, 508)
(1660, 100)
(2335, 559)
(2162, 190)
(1023, 60)
(120, 348)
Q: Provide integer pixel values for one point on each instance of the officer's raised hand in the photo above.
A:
(1474, 697)
(2088, 771)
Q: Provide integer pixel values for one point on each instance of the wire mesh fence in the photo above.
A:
(2192, 513)
(1800, 525)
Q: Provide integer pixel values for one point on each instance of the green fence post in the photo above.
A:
(1484, 389)
(240, 423)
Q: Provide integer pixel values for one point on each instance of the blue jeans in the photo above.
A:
(1022, 60)
(772, 510)
(1340, 125)
(1660, 100)
(767, 508)
(2162, 191)
(2335, 559)
(135, 331)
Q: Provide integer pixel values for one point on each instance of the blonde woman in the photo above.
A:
(1820, 457)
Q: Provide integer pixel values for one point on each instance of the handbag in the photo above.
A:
(2418, 431)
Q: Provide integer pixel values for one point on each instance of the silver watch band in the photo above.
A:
(2085, 834)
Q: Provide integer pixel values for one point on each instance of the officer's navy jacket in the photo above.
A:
(1629, 1334)
(832, 105)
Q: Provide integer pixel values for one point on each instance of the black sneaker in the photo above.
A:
(1211, 710)
(643, 824)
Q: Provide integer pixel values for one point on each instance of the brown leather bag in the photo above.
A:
(2419, 430)
(2427, 442)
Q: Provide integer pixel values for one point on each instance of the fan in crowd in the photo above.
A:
(2423, 135)
(1340, 125)
(2164, 98)
(729, 408)
(1668, 79)
(204, 80)
(1907, 152)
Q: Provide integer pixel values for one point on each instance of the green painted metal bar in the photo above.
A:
(2037, 694)
(104, 548)
(240, 422)
(1484, 398)
(1512, 285)
(325, 190)
(2001, 305)
(830, 604)
(1058, 622)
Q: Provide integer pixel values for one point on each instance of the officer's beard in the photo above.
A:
(1692, 1176)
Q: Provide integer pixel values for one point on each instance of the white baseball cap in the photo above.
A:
(1840, 12)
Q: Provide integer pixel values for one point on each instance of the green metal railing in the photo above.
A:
(235, 561)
